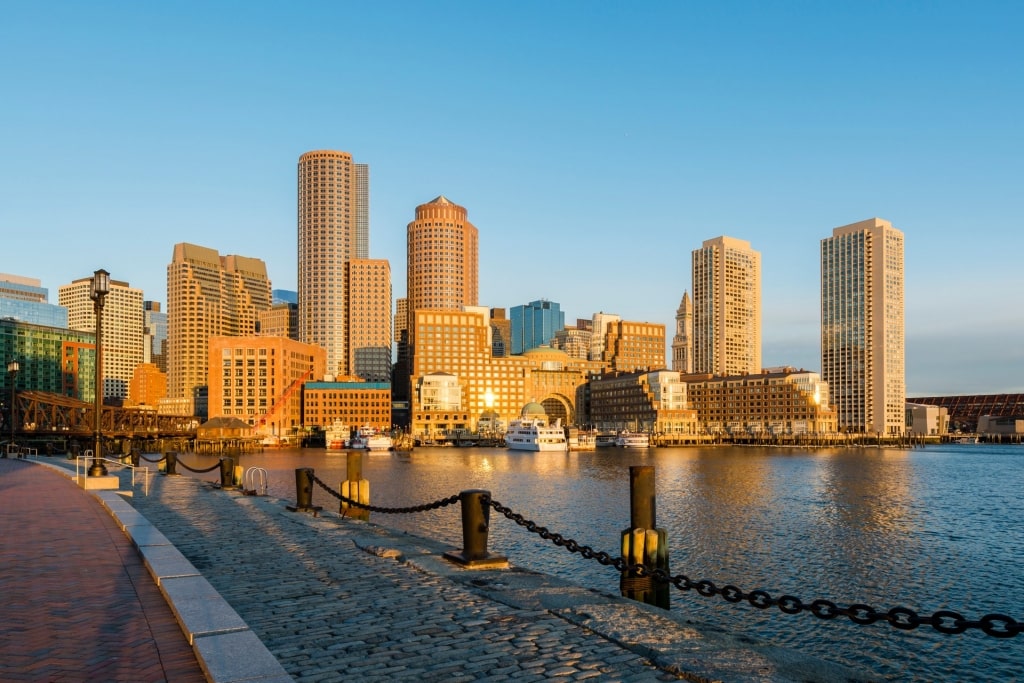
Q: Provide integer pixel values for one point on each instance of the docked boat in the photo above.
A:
(633, 440)
(336, 437)
(370, 439)
(535, 434)
(581, 440)
(605, 440)
(967, 439)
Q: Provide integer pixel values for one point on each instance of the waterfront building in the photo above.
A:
(648, 402)
(634, 346)
(147, 387)
(927, 420)
(25, 299)
(535, 324)
(350, 402)
(368, 301)
(333, 228)
(574, 340)
(862, 327)
(52, 359)
(208, 295)
(771, 403)
(259, 380)
(123, 345)
(599, 329)
(454, 350)
(682, 342)
(442, 258)
(966, 411)
(726, 307)
(154, 335)
(501, 334)
(280, 320)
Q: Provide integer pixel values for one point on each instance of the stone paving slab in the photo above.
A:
(237, 657)
(199, 608)
(337, 599)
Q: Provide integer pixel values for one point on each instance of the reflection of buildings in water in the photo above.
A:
(866, 511)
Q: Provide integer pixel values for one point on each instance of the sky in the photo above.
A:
(594, 145)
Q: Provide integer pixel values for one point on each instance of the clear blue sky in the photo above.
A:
(594, 145)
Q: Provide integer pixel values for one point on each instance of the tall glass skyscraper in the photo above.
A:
(862, 328)
(535, 324)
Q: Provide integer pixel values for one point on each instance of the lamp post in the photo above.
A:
(12, 370)
(99, 289)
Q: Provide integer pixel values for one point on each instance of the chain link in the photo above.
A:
(208, 469)
(451, 500)
(151, 460)
(902, 618)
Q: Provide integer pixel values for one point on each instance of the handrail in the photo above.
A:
(86, 456)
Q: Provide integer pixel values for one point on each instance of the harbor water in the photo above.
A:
(935, 528)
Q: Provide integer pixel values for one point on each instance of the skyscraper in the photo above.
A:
(368, 298)
(862, 329)
(535, 324)
(682, 342)
(123, 346)
(333, 228)
(208, 295)
(726, 307)
(442, 258)
(155, 331)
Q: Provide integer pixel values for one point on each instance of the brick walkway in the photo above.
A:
(76, 602)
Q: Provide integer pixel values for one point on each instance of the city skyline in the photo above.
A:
(591, 174)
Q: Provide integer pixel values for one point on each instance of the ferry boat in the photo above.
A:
(633, 440)
(535, 434)
(605, 440)
(370, 439)
(336, 437)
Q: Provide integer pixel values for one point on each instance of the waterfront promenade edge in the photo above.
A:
(265, 594)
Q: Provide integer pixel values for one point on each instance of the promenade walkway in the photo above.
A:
(76, 602)
(335, 599)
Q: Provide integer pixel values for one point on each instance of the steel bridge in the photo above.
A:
(41, 414)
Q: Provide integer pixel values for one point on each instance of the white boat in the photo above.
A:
(967, 439)
(605, 440)
(633, 440)
(535, 434)
(336, 437)
(370, 439)
(580, 441)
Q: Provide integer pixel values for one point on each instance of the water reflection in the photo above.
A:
(938, 528)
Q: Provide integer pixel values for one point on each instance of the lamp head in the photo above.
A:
(100, 286)
(13, 366)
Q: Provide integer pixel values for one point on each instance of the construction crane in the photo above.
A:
(283, 397)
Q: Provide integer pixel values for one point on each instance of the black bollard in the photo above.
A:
(227, 472)
(135, 458)
(475, 519)
(171, 463)
(304, 492)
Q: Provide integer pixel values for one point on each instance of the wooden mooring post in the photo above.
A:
(355, 488)
(643, 543)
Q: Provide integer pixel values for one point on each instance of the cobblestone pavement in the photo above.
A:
(76, 602)
(337, 599)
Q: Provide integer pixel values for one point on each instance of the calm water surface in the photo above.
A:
(928, 529)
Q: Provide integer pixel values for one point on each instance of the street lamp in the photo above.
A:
(12, 370)
(99, 289)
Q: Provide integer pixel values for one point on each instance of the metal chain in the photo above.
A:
(151, 460)
(373, 508)
(943, 621)
(208, 469)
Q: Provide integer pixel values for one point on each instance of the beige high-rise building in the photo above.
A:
(333, 228)
(862, 326)
(682, 342)
(368, 297)
(208, 295)
(123, 333)
(442, 259)
(726, 307)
